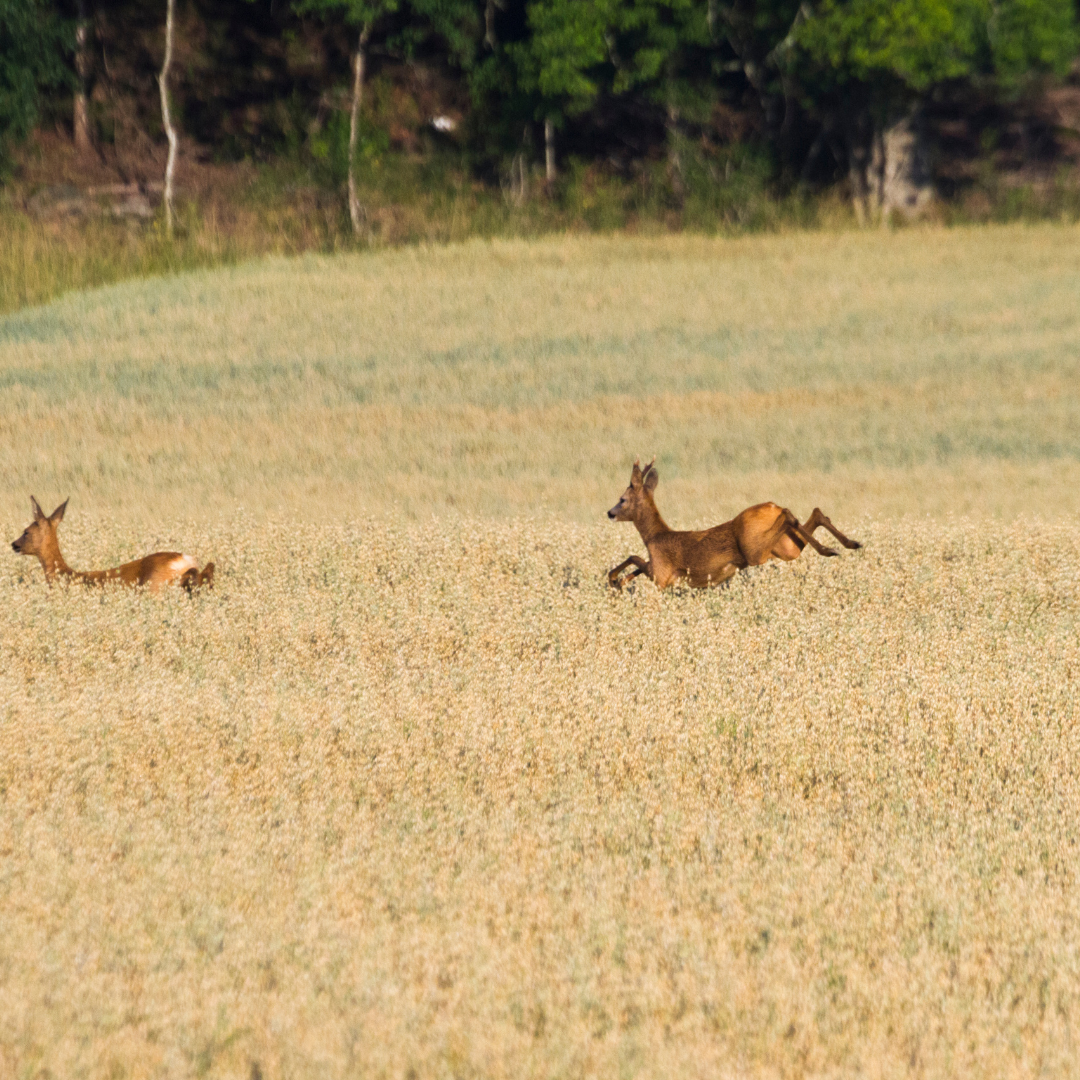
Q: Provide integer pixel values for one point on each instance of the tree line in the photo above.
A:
(826, 89)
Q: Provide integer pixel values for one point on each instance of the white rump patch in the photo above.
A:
(182, 564)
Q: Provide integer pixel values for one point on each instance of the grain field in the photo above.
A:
(909, 373)
(413, 794)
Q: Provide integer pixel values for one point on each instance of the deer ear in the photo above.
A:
(652, 478)
(635, 475)
(39, 514)
(58, 514)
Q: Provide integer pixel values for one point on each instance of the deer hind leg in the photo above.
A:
(800, 531)
(636, 561)
(192, 579)
(817, 520)
(788, 547)
(780, 540)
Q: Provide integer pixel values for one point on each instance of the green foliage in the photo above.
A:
(353, 12)
(32, 43)
(404, 25)
(1032, 37)
(559, 60)
(728, 188)
(653, 38)
(915, 44)
(807, 81)
(456, 23)
(578, 49)
(329, 148)
(837, 57)
(720, 190)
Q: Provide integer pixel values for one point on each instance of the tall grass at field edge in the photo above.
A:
(286, 209)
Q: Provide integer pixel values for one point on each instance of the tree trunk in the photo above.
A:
(166, 117)
(778, 109)
(81, 111)
(549, 151)
(857, 180)
(887, 170)
(522, 179)
(357, 213)
(875, 174)
(860, 138)
(905, 176)
(675, 167)
(812, 155)
(860, 202)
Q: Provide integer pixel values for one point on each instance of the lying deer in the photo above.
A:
(154, 571)
(760, 533)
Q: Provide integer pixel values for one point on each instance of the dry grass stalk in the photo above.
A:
(403, 799)
(920, 372)
(346, 817)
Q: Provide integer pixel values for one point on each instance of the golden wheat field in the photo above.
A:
(412, 793)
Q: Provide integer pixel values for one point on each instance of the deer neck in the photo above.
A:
(649, 522)
(52, 562)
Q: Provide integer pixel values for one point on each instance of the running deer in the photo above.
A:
(709, 557)
(154, 571)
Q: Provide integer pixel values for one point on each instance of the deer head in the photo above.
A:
(39, 537)
(638, 496)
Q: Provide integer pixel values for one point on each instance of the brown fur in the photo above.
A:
(711, 556)
(153, 571)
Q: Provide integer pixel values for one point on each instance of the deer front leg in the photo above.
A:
(817, 519)
(640, 565)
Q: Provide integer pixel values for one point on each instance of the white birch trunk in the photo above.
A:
(549, 151)
(81, 109)
(166, 117)
(876, 176)
(356, 211)
(857, 180)
(519, 180)
(674, 158)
